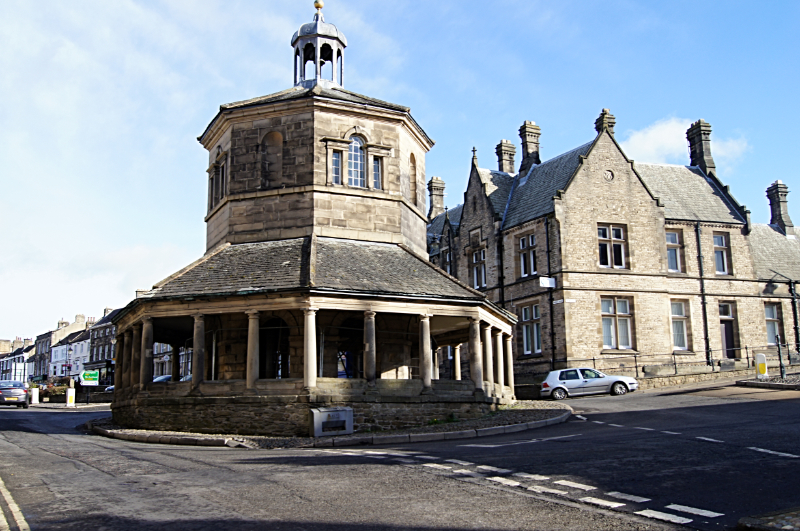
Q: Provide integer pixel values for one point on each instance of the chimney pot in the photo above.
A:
(779, 207)
(436, 190)
(505, 156)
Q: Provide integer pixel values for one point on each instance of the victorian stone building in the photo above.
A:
(315, 288)
(610, 262)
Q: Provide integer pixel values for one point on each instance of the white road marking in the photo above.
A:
(574, 485)
(504, 481)
(457, 462)
(580, 417)
(616, 425)
(465, 472)
(437, 466)
(629, 497)
(709, 439)
(692, 510)
(3, 523)
(645, 429)
(604, 503)
(527, 441)
(545, 490)
(532, 477)
(376, 456)
(494, 469)
(374, 453)
(671, 432)
(598, 422)
(426, 457)
(664, 516)
(772, 452)
(22, 525)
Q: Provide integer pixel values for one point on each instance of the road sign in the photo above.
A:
(90, 378)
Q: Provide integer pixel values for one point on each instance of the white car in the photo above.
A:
(584, 381)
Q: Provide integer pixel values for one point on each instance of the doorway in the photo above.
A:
(727, 330)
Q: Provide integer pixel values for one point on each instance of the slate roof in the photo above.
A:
(436, 225)
(71, 338)
(498, 187)
(107, 319)
(774, 254)
(340, 265)
(532, 196)
(298, 92)
(688, 194)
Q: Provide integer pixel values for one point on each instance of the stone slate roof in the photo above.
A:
(107, 319)
(71, 338)
(436, 225)
(498, 187)
(774, 254)
(688, 194)
(340, 265)
(533, 194)
(299, 92)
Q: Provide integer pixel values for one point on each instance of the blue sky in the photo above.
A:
(104, 181)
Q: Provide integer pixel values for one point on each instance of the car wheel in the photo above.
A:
(619, 389)
(25, 405)
(559, 394)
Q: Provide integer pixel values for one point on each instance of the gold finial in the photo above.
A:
(319, 4)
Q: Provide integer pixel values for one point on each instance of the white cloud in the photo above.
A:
(664, 142)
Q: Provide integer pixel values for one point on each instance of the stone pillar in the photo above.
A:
(457, 362)
(370, 354)
(488, 359)
(198, 351)
(310, 348)
(127, 354)
(498, 347)
(425, 364)
(510, 364)
(136, 356)
(253, 349)
(175, 357)
(146, 369)
(118, 353)
(437, 358)
(475, 356)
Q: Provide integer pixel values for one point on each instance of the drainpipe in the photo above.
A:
(550, 297)
(793, 291)
(704, 303)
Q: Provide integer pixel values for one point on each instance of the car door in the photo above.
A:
(593, 382)
(572, 381)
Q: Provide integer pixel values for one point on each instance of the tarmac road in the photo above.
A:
(61, 478)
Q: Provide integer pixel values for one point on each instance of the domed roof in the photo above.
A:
(321, 28)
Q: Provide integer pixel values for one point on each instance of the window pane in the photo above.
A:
(604, 258)
(679, 334)
(771, 311)
(624, 333)
(677, 309)
(526, 338)
(608, 333)
(526, 314)
(537, 337)
(622, 306)
(483, 275)
(536, 314)
(376, 173)
(672, 260)
(772, 332)
(523, 264)
(532, 240)
(355, 163)
(602, 232)
(607, 305)
(672, 237)
(719, 257)
(533, 262)
(616, 232)
(725, 310)
(719, 241)
(522, 243)
(619, 255)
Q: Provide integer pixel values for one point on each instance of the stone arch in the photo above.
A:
(326, 59)
(271, 160)
(357, 131)
(309, 56)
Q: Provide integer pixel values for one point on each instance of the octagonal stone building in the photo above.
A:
(315, 289)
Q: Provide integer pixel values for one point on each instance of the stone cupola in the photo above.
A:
(320, 44)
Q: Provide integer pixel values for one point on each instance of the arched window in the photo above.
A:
(355, 163)
(412, 179)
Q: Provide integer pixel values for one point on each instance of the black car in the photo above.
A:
(13, 393)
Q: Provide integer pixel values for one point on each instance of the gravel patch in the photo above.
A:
(522, 411)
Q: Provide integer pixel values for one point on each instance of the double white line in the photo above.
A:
(22, 525)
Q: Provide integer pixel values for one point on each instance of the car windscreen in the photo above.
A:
(12, 385)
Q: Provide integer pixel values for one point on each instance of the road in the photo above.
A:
(703, 450)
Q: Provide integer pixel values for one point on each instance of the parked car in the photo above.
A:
(187, 378)
(583, 381)
(164, 378)
(109, 389)
(13, 393)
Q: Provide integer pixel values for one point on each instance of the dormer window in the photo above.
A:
(355, 163)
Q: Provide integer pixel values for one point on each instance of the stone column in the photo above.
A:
(498, 347)
(126, 356)
(136, 356)
(199, 351)
(253, 349)
(457, 362)
(119, 349)
(425, 364)
(146, 369)
(510, 364)
(370, 353)
(310, 348)
(437, 358)
(475, 356)
(488, 359)
(175, 358)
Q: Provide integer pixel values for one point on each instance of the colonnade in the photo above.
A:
(491, 359)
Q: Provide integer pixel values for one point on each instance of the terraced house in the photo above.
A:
(603, 259)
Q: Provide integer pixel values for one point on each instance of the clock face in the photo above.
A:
(609, 175)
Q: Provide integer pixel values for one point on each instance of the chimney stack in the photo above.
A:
(62, 323)
(107, 311)
(529, 133)
(699, 137)
(505, 156)
(606, 120)
(779, 207)
(436, 190)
